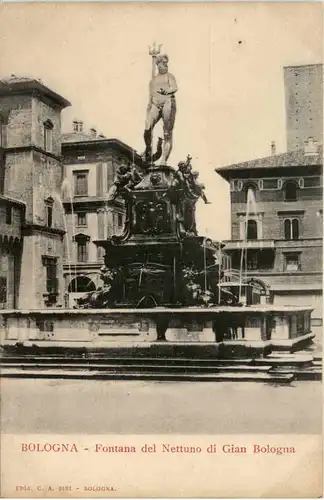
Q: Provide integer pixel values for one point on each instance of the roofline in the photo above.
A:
(238, 166)
(228, 172)
(101, 142)
(12, 200)
(30, 86)
(243, 166)
(303, 65)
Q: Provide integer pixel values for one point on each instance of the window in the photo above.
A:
(51, 279)
(292, 262)
(48, 136)
(8, 215)
(252, 230)
(290, 191)
(3, 292)
(291, 229)
(49, 215)
(50, 264)
(82, 251)
(3, 135)
(300, 323)
(81, 183)
(81, 219)
(252, 261)
(250, 192)
(49, 212)
(295, 229)
(82, 247)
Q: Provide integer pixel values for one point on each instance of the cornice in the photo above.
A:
(32, 147)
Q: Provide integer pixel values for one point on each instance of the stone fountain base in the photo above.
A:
(220, 331)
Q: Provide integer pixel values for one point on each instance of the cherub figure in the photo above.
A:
(199, 188)
(126, 178)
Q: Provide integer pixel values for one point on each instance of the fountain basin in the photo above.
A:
(223, 330)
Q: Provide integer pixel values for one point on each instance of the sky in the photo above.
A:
(228, 60)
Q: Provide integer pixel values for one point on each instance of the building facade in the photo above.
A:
(12, 217)
(90, 165)
(53, 192)
(276, 225)
(276, 202)
(32, 173)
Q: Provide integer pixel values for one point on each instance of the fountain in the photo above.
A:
(67, 193)
(251, 209)
(160, 290)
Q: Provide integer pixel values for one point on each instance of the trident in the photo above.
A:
(154, 51)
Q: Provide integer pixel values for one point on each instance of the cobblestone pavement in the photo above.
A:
(85, 406)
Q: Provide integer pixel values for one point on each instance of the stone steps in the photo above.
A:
(283, 366)
(305, 373)
(290, 360)
(126, 360)
(112, 375)
(138, 367)
(298, 360)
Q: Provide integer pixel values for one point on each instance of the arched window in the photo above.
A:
(291, 229)
(49, 202)
(290, 191)
(82, 284)
(295, 229)
(287, 228)
(252, 230)
(250, 191)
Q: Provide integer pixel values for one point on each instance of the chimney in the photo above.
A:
(80, 126)
(101, 136)
(273, 148)
(75, 126)
(93, 133)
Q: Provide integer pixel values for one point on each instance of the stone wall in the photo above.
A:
(19, 179)
(12, 230)
(274, 210)
(17, 110)
(42, 111)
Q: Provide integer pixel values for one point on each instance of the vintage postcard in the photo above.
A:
(161, 246)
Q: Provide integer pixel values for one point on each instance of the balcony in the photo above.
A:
(251, 244)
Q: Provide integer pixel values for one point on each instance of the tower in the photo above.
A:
(280, 240)
(32, 172)
(304, 104)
